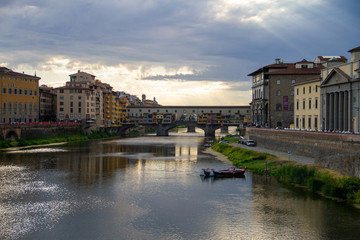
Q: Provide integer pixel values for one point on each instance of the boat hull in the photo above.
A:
(231, 172)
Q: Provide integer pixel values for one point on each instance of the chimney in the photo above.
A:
(277, 60)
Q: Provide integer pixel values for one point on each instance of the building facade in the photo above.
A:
(19, 97)
(307, 104)
(340, 95)
(81, 99)
(140, 114)
(272, 102)
(47, 104)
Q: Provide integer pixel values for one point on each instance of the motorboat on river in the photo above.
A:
(230, 172)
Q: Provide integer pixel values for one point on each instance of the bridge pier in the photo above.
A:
(224, 129)
(210, 131)
(191, 129)
(162, 130)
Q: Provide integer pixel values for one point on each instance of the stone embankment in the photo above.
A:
(337, 151)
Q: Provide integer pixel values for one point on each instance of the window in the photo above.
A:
(10, 91)
(61, 103)
(303, 122)
(316, 103)
(61, 109)
(303, 90)
(315, 122)
(4, 90)
(278, 107)
(316, 88)
(35, 93)
(297, 121)
(309, 122)
(61, 91)
(79, 110)
(4, 105)
(61, 97)
(25, 92)
(71, 104)
(292, 93)
(15, 91)
(71, 97)
(79, 104)
(278, 82)
(35, 106)
(303, 103)
(79, 97)
(297, 91)
(293, 81)
(20, 91)
(297, 104)
(309, 89)
(278, 93)
(309, 103)
(30, 92)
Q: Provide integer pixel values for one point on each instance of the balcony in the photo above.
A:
(261, 82)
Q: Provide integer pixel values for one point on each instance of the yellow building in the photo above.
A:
(307, 104)
(19, 97)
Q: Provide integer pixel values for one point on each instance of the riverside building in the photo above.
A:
(19, 97)
(272, 102)
(340, 95)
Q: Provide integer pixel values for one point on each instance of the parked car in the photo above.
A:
(242, 141)
(250, 143)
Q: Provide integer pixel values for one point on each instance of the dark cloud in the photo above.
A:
(179, 33)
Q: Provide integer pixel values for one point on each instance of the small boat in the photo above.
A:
(230, 172)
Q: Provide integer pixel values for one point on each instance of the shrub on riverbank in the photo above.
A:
(57, 139)
(255, 161)
(324, 181)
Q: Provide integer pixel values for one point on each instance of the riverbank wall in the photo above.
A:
(337, 151)
(38, 131)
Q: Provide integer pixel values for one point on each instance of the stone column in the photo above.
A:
(341, 111)
(336, 111)
(346, 111)
(331, 112)
(327, 111)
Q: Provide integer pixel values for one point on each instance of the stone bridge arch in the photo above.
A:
(11, 134)
(209, 129)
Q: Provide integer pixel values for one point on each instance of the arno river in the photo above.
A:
(150, 188)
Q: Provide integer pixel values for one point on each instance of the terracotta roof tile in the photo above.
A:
(355, 49)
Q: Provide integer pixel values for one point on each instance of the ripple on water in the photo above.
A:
(38, 150)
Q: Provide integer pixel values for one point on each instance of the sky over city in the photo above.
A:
(183, 52)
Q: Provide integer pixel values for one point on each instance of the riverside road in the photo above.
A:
(287, 155)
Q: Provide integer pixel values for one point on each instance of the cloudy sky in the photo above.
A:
(183, 52)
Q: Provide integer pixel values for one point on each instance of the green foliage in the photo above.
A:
(240, 157)
(294, 174)
(318, 180)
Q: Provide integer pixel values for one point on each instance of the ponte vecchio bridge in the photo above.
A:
(208, 118)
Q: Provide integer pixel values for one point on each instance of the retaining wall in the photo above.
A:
(337, 151)
(32, 132)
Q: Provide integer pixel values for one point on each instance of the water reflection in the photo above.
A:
(150, 188)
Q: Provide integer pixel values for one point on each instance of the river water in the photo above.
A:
(150, 188)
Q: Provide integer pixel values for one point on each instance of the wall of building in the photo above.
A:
(342, 149)
(308, 113)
